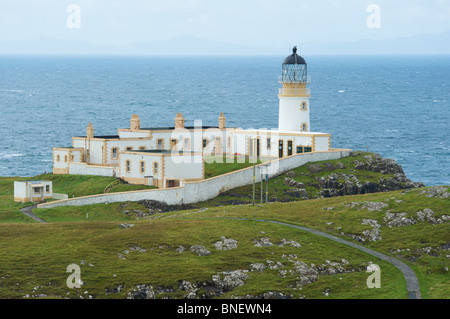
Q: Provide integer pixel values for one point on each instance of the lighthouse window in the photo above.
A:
(304, 127)
(303, 106)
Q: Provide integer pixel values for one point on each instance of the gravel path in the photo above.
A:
(28, 211)
(412, 283)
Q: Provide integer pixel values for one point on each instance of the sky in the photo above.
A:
(274, 23)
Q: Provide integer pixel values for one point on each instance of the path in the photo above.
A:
(412, 283)
(28, 211)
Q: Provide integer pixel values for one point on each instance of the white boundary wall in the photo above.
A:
(193, 192)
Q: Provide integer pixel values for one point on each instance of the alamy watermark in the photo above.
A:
(74, 19)
(74, 279)
(374, 280)
(374, 19)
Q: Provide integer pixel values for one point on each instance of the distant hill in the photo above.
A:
(188, 45)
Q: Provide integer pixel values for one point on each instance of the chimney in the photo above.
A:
(221, 121)
(90, 131)
(179, 121)
(135, 122)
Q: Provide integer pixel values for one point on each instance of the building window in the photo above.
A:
(142, 167)
(65, 158)
(114, 153)
(173, 144)
(299, 149)
(72, 158)
(186, 143)
(142, 148)
(155, 168)
(205, 142)
(58, 158)
(47, 188)
(129, 148)
(159, 144)
(36, 190)
(307, 149)
(128, 166)
(268, 143)
(303, 106)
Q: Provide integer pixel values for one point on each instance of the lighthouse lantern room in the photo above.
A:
(294, 95)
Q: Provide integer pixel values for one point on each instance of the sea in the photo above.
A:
(396, 106)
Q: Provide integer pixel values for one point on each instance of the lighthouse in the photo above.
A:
(294, 95)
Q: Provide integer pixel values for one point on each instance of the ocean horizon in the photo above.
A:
(396, 106)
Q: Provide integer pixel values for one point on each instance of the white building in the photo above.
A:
(32, 191)
(133, 153)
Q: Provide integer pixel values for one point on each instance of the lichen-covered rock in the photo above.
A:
(200, 250)
(227, 281)
(398, 220)
(142, 292)
(263, 242)
(225, 243)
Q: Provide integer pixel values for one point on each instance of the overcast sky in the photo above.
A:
(274, 23)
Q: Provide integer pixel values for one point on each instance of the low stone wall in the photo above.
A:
(60, 196)
(85, 169)
(193, 192)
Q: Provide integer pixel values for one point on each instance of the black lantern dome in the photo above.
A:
(294, 58)
(294, 69)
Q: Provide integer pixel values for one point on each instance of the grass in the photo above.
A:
(38, 255)
(72, 185)
(219, 165)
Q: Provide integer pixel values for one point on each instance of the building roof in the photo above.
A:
(173, 128)
(294, 58)
(156, 151)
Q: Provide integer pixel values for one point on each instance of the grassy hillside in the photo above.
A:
(72, 185)
(133, 249)
(144, 255)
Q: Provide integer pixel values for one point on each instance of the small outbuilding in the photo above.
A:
(32, 191)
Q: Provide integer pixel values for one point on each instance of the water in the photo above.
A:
(397, 106)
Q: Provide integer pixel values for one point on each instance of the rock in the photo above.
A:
(297, 193)
(227, 281)
(339, 165)
(436, 192)
(123, 226)
(190, 288)
(289, 242)
(374, 233)
(180, 249)
(263, 242)
(154, 206)
(137, 248)
(314, 168)
(200, 250)
(225, 244)
(291, 174)
(398, 220)
(142, 292)
(257, 267)
(374, 206)
(293, 183)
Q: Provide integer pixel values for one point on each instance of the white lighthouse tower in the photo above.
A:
(294, 95)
